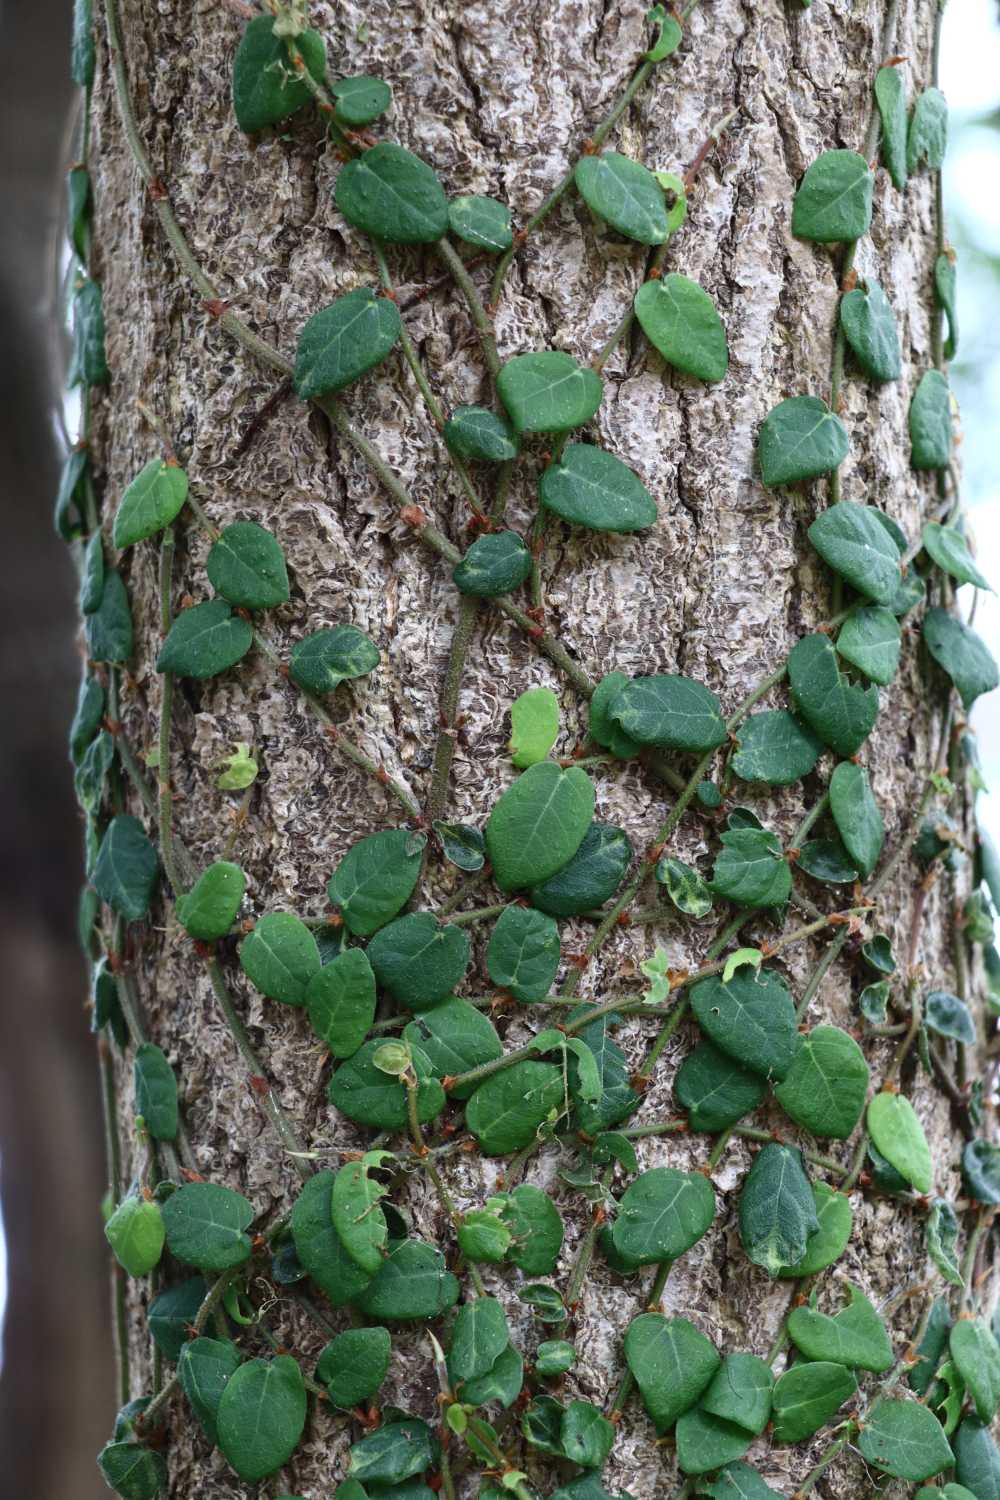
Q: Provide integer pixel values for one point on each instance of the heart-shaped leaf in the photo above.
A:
(672, 1364)
(751, 870)
(340, 344)
(927, 138)
(856, 1336)
(153, 499)
(842, 714)
(591, 487)
(506, 1110)
(751, 1017)
(493, 565)
(775, 747)
(834, 198)
(340, 998)
(209, 908)
(870, 639)
(704, 1442)
(625, 194)
(852, 539)
(975, 1352)
(357, 1217)
(319, 1246)
(126, 868)
(534, 720)
(806, 1397)
(204, 1370)
(777, 1208)
(280, 956)
(479, 1337)
(354, 1365)
(414, 1284)
(478, 433)
(265, 88)
(482, 222)
(360, 100)
(262, 1412)
(682, 324)
(205, 640)
(741, 1392)
(857, 816)
(825, 1089)
(890, 95)
(949, 1016)
(687, 889)
(590, 878)
(869, 326)
(320, 662)
(670, 711)
(548, 392)
(155, 1092)
(827, 1243)
(602, 727)
(899, 1135)
(109, 626)
(205, 1226)
(800, 438)
(930, 422)
(538, 824)
(950, 551)
(662, 1214)
(393, 196)
(960, 653)
(714, 1090)
(369, 1096)
(135, 1232)
(418, 959)
(455, 1038)
(904, 1439)
(523, 953)
(246, 566)
(376, 878)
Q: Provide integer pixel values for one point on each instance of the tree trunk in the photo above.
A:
(502, 101)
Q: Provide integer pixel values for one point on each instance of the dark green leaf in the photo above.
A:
(682, 323)
(209, 908)
(506, 1110)
(911, 592)
(205, 640)
(775, 747)
(365, 1094)
(482, 1236)
(961, 653)
(132, 1471)
(590, 487)
(536, 1227)
(88, 365)
(354, 1365)
(854, 542)
(482, 222)
(827, 860)
(807, 1396)
(950, 551)
(461, 844)
(704, 1442)
(856, 1336)
(205, 1226)
(857, 816)
(412, 1286)
(870, 639)
(357, 1217)
(981, 1171)
(135, 1233)
(602, 727)
(800, 439)
(949, 1016)
(899, 1135)
(739, 1482)
(456, 1038)
(125, 873)
(261, 1415)
(945, 290)
(476, 432)
(687, 889)
(495, 564)
(827, 1243)
(942, 1240)
(172, 1313)
(523, 953)
(392, 195)
(834, 198)
(280, 956)
(502, 1381)
(153, 499)
(741, 1392)
(68, 517)
(548, 392)
(204, 1369)
(79, 209)
(977, 1462)
(418, 959)
(904, 1439)
(542, 1425)
(841, 713)
(92, 772)
(360, 100)
(345, 340)
(975, 1352)
(319, 1246)
(375, 879)
(826, 1087)
(109, 626)
(662, 1214)
(751, 1018)
(88, 716)
(265, 88)
(538, 824)
(670, 711)
(479, 1337)
(869, 326)
(586, 1436)
(590, 878)
(246, 566)
(890, 95)
(751, 870)
(554, 1357)
(322, 661)
(714, 1090)
(92, 575)
(672, 1364)
(546, 1303)
(155, 1092)
(877, 953)
(625, 194)
(777, 1208)
(83, 53)
(927, 138)
(930, 422)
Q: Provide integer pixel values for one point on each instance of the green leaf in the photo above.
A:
(975, 1352)
(262, 1413)
(247, 567)
(265, 88)
(686, 887)
(870, 639)
(502, 1381)
(461, 844)
(548, 392)
(240, 769)
(483, 1237)
(890, 96)
(205, 640)
(946, 1492)
(494, 565)
(204, 1370)
(83, 53)
(153, 499)
(319, 1246)
(538, 824)
(125, 872)
(171, 1314)
(536, 1227)
(981, 1171)
(672, 1364)
(927, 139)
(136, 1234)
(777, 1208)
(418, 959)
(857, 815)
(482, 222)
(842, 714)
(751, 1018)
(534, 720)
(590, 487)
(625, 194)
(456, 1038)
(960, 653)
(360, 100)
(942, 1240)
(869, 326)
(88, 365)
(155, 1092)
(523, 953)
(834, 198)
(668, 38)
(344, 341)
(775, 747)
(92, 575)
(602, 727)
(977, 1462)
(670, 711)
(505, 1112)
(800, 439)
(807, 1396)
(751, 870)
(367, 1095)
(478, 433)
(714, 1090)
(79, 209)
(412, 1286)
(741, 1392)
(356, 1215)
(376, 878)
(586, 1436)
(877, 953)
(683, 325)
(851, 539)
(930, 422)
(554, 1357)
(662, 1214)
(280, 957)
(354, 1365)
(826, 1086)
(320, 662)
(949, 1016)
(87, 717)
(945, 291)
(109, 626)
(704, 1442)
(739, 1482)
(590, 877)
(950, 551)
(479, 1337)
(132, 1471)
(826, 860)
(209, 908)
(904, 1439)
(92, 773)
(855, 1336)
(393, 196)
(68, 516)
(205, 1226)
(827, 1243)
(899, 1135)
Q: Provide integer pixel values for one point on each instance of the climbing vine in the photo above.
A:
(381, 977)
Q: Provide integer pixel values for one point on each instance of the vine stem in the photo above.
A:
(816, 1473)
(165, 803)
(477, 308)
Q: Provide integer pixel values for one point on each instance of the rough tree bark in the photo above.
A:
(500, 100)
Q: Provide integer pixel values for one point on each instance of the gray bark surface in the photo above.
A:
(500, 100)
